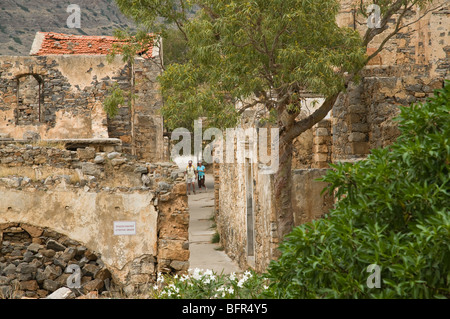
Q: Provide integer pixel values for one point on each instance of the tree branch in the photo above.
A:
(398, 28)
(373, 32)
(308, 122)
(248, 106)
(387, 38)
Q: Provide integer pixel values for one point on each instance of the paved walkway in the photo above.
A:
(203, 253)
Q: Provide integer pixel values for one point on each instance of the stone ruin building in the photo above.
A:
(70, 174)
(57, 93)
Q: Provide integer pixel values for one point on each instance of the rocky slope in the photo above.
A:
(21, 19)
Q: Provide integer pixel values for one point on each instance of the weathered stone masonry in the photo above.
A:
(413, 64)
(33, 261)
(77, 196)
(61, 97)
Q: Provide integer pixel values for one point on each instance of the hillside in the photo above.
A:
(21, 19)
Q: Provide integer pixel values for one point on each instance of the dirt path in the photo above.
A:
(203, 253)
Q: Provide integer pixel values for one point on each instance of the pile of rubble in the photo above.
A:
(37, 166)
(37, 266)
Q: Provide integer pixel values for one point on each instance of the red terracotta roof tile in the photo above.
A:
(58, 43)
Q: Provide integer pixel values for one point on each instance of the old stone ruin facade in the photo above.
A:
(70, 174)
(413, 64)
(58, 94)
(59, 207)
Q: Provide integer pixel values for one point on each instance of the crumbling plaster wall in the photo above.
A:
(70, 98)
(234, 183)
(307, 202)
(88, 217)
(73, 88)
(81, 193)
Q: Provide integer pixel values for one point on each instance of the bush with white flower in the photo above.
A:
(206, 284)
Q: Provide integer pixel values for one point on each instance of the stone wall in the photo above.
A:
(61, 97)
(84, 167)
(245, 215)
(80, 194)
(414, 63)
(33, 261)
(308, 203)
(72, 89)
(322, 144)
(231, 217)
(302, 152)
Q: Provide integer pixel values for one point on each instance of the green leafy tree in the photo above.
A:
(265, 53)
(393, 211)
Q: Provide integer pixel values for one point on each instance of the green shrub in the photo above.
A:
(215, 238)
(113, 101)
(392, 211)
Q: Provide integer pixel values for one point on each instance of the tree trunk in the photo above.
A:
(282, 189)
(291, 129)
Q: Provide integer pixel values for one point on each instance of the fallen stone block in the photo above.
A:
(62, 293)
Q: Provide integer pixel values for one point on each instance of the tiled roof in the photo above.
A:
(48, 43)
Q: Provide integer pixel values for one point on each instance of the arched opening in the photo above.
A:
(30, 99)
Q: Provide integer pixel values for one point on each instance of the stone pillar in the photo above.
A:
(173, 231)
(350, 130)
(358, 131)
(148, 139)
(322, 144)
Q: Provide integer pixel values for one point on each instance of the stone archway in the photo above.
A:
(34, 263)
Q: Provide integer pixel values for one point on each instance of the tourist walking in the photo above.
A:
(201, 176)
(190, 174)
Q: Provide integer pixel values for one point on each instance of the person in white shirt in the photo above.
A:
(190, 174)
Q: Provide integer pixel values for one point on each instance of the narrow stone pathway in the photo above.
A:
(203, 253)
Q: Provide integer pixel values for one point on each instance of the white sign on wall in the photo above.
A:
(123, 228)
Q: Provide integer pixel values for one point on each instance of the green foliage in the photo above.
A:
(114, 99)
(393, 211)
(208, 284)
(239, 51)
(133, 44)
(229, 55)
(175, 47)
(215, 238)
(245, 49)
